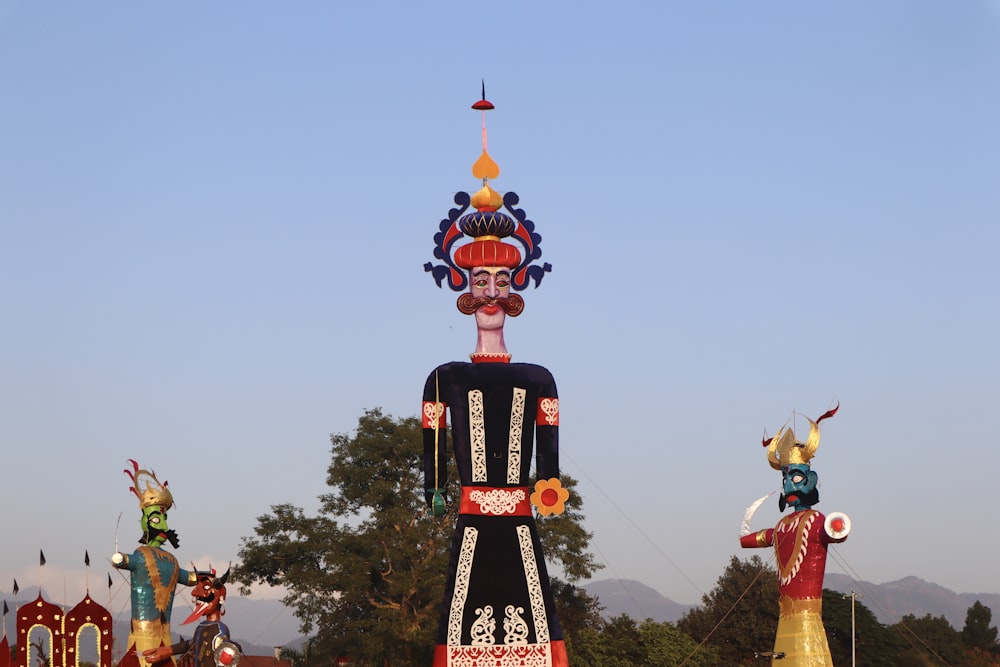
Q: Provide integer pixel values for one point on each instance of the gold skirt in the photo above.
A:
(147, 635)
(801, 635)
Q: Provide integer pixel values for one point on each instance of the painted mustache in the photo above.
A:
(808, 499)
(171, 536)
(512, 305)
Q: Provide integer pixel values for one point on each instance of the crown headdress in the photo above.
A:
(147, 488)
(783, 449)
(488, 225)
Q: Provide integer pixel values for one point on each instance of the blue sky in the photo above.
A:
(214, 220)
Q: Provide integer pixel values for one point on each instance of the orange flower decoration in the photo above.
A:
(549, 497)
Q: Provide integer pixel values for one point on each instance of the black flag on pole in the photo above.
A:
(110, 583)
(41, 558)
(16, 587)
(5, 609)
(86, 558)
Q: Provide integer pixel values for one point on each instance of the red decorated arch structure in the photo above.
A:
(67, 632)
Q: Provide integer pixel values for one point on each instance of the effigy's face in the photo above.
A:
(207, 598)
(798, 486)
(154, 525)
(490, 282)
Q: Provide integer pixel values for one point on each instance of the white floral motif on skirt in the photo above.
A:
(523, 655)
(497, 501)
(538, 616)
(462, 577)
(514, 626)
(483, 627)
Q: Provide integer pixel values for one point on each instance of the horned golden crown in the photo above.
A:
(783, 449)
(148, 489)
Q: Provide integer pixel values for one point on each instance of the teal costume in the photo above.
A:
(155, 575)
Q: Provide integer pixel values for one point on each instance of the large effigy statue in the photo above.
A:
(800, 546)
(154, 571)
(498, 607)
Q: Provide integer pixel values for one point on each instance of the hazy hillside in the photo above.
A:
(888, 601)
(912, 595)
(261, 622)
(635, 599)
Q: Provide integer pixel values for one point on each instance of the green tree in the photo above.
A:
(876, 646)
(585, 649)
(564, 538)
(624, 643)
(929, 640)
(620, 643)
(577, 611)
(368, 573)
(740, 615)
(664, 645)
(977, 632)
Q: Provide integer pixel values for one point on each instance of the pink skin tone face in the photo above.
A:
(491, 282)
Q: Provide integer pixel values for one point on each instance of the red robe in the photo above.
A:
(800, 543)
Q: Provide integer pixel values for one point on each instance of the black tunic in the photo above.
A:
(498, 596)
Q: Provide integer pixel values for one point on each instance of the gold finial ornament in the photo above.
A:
(485, 167)
(487, 199)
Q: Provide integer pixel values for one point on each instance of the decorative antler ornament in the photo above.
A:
(783, 449)
(487, 226)
(147, 488)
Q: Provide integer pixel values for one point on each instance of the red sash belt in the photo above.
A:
(496, 501)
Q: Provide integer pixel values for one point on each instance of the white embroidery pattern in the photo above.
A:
(433, 412)
(483, 627)
(514, 626)
(464, 570)
(497, 501)
(477, 433)
(538, 617)
(516, 429)
(550, 407)
(518, 655)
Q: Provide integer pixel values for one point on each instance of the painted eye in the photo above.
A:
(503, 284)
(154, 520)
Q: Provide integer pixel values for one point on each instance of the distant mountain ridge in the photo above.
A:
(635, 599)
(912, 595)
(888, 601)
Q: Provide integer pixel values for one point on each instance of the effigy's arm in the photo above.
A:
(433, 419)
(186, 578)
(762, 538)
(120, 561)
(836, 528)
(155, 655)
(549, 497)
(547, 431)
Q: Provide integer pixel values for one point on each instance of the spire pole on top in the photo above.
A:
(484, 168)
(483, 105)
